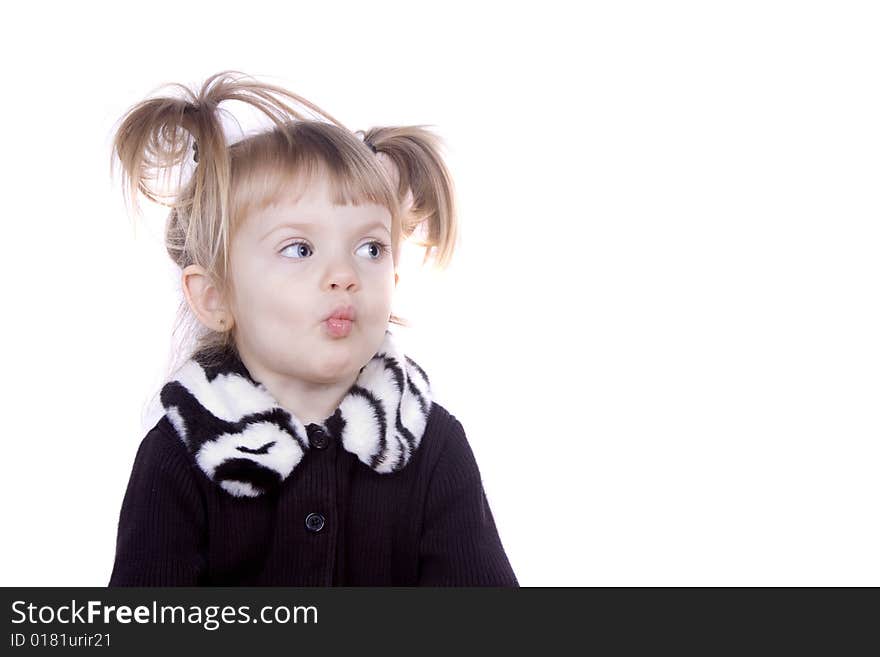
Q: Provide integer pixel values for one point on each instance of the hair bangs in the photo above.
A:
(282, 163)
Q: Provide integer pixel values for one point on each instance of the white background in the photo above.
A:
(660, 332)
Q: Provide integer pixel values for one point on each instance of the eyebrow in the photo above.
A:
(306, 225)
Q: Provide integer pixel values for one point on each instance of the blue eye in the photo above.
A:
(298, 248)
(379, 249)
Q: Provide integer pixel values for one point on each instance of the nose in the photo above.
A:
(341, 274)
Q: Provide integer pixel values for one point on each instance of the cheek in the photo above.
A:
(380, 286)
(272, 295)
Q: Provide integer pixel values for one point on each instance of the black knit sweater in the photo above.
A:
(231, 489)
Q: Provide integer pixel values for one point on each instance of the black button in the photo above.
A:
(317, 436)
(314, 522)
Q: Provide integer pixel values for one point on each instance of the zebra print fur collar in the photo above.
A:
(243, 440)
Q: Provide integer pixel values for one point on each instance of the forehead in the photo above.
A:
(311, 207)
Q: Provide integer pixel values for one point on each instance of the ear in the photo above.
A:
(205, 300)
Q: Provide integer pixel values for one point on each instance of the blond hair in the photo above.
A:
(217, 183)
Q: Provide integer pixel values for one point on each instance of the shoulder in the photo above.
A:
(446, 444)
(162, 456)
(442, 426)
(162, 440)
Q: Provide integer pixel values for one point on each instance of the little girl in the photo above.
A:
(298, 446)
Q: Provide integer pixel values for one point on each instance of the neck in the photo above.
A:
(309, 401)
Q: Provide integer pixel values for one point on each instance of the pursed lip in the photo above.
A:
(342, 312)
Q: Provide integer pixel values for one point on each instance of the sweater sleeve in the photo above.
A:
(460, 545)
(162, 520)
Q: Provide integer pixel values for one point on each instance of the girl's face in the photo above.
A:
(296, 262)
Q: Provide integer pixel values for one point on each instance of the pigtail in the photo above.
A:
(416, 153)
(207, 199)
(183, 135)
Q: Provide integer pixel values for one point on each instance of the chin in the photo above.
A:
(337, 360)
